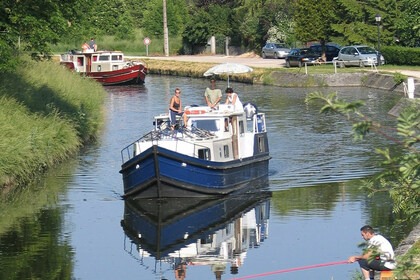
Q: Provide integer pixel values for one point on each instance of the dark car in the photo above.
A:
(298, 57)
(331, 50)
(274, 50)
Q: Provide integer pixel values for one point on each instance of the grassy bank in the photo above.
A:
(46, 115)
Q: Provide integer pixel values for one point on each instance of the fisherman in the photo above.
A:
(379, 254)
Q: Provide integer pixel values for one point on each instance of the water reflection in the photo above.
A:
(182, 232)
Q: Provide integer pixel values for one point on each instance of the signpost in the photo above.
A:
(147, 42)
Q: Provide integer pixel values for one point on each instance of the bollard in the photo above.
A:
(410, 87)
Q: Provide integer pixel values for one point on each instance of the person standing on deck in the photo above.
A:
(233, 99)
(212, 94)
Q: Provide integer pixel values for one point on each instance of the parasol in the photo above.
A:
(228, 68)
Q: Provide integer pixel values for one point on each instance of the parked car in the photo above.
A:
(298, 57)
(331, 50)
(359, 55)
(274, 50)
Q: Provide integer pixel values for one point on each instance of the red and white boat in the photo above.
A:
(106, 67)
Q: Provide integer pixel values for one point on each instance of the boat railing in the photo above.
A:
(155, 136)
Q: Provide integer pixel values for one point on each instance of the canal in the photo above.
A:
(73, 224)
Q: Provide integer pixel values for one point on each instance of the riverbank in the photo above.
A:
(273, 72)
(45, 119)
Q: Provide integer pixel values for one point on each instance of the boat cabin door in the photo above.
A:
(88, 63)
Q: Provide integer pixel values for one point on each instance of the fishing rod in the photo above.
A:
(290, 270)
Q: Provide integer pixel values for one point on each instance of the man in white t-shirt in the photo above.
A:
(379, 254)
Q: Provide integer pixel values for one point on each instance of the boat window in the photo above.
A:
(204, 154)
(117, 57)
(114, 67)
(104, 58)
(95, 58)
(210, 125)
(261, 144)
(226, 124)
(80, 61)
(226, 151)
(241, 127)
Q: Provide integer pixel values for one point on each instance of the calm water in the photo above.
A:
(73, 225)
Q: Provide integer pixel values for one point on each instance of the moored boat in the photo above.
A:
(217, 152)
(106, 67)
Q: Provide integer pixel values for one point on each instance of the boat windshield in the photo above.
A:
(210, 125)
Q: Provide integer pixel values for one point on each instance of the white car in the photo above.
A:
(274, 50)
(359, 55)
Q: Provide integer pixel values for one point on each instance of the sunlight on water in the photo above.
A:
(313, 214)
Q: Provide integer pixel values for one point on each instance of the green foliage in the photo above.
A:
(399, 78)
(176, 12)
(401, 168)
(313, 19)
(407, 25)
(36, 26)
(401, 55)
(51, 117)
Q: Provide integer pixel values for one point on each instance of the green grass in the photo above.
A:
(44, 118)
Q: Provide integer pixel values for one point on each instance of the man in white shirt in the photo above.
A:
(379, 254)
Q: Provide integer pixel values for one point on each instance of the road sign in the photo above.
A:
(147, 41)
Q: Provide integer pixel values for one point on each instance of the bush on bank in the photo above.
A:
(46, 114)
(401, 55)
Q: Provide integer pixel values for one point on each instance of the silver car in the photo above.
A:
(359, 55)
(274, 50)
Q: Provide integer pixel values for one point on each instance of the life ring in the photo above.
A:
(195, 112)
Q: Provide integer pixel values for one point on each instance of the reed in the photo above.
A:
(46, 114)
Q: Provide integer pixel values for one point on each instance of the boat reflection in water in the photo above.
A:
(182, 232)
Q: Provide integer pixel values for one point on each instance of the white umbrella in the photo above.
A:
(228, 68)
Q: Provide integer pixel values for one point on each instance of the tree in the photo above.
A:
(177, 16)
(407, 25)
(313, 20)
(31, 26)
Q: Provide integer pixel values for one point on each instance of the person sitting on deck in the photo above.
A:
(85, 47)
(175, 109)
(92, 44)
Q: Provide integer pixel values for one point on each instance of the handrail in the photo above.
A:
(156, 135)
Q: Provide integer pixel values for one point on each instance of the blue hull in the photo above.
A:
(159, 226)
(159, 173)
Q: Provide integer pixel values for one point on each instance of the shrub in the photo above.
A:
(401, 55)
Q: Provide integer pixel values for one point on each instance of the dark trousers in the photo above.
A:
(371, 266)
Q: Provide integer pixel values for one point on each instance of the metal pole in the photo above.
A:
(379, 37)
(165, 30)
